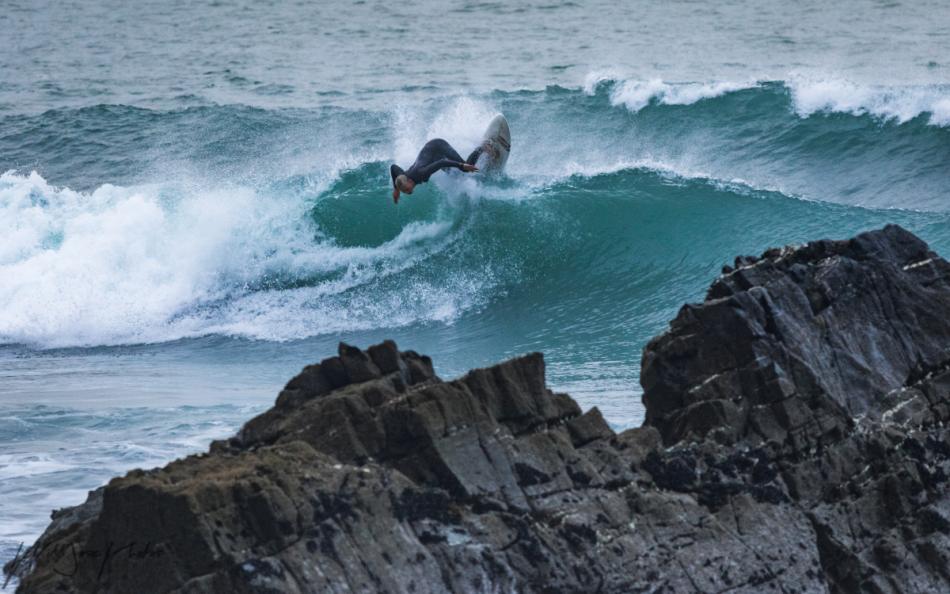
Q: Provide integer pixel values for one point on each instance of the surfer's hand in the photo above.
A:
(469, 168)
(395, 196)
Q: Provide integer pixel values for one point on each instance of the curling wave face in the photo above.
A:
(276, 225)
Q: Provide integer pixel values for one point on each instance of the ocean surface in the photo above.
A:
(195, 199)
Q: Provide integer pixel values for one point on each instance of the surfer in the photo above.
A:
(435, 155)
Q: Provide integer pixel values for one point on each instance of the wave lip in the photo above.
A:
(635, 94)
(901, 104)
(809, 95)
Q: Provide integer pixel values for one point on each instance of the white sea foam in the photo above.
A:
(898, 103)
(810, 95)
(155, 263)
(461, 122)
(636, 94)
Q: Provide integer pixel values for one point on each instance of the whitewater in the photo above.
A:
(195, 202)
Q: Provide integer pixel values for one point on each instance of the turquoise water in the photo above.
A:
(194, 201)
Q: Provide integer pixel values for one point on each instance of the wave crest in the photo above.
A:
(901, 104)
(809, 95)
(637, 94)
(122, 265)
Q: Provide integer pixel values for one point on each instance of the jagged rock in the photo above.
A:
(794, 345)
(795, 442)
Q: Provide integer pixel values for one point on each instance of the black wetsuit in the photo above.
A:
(435, 155)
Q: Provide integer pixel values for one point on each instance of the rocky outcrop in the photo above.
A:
(792, 347)
(794, 442)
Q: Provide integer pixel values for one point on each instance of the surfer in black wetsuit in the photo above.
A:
(435, 155)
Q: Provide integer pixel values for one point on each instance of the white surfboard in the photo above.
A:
(496, 145)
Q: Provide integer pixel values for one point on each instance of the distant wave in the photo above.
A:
(637, 94)
(809, 96)
(901, 104)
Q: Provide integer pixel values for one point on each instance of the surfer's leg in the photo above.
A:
(447, 152)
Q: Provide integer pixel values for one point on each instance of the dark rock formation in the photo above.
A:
(794, 442)
(793, 346)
